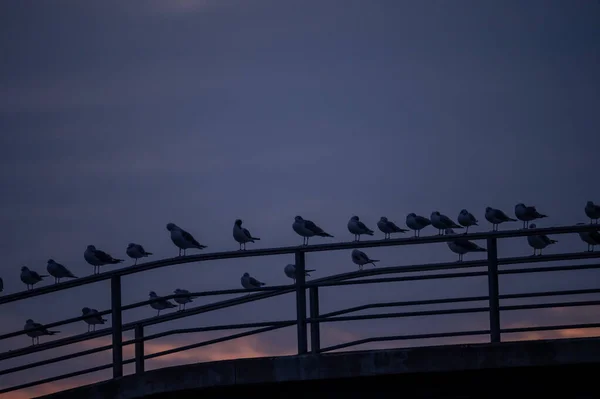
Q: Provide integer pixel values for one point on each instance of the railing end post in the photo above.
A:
(300, 260)
(493, 288)
(117, 326)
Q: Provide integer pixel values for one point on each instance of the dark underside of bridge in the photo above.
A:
(573, 382)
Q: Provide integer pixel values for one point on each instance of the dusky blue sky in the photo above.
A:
(117, 117)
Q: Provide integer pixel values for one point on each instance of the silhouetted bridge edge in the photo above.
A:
(346, 365)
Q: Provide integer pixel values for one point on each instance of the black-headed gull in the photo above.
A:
(30, 277)
(591, 238)
(98, 258)
(92, 318)
(249, 282)
(461, 246)
(242, 235)
(466, 219)
(527, 213)
(592, 211)
(182, 300)
(416, 222)
(307, 229)
(36, 330)
(539, 242)
(290, 271)
(58, 271)
(136, 251)
(361, 259)
(496, 216)
(358, 228)
(442, 222)
(388, 228)
(159, 303)
(182, 239)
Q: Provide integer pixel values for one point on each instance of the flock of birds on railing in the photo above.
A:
(307, 229)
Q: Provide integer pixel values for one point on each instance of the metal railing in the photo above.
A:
(315, 318)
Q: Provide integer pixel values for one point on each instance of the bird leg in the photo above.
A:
(158, 314)
(135, 263)
(540, 254)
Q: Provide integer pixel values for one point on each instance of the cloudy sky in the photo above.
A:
(117, 117)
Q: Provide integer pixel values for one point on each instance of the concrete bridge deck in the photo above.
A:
(516, 369)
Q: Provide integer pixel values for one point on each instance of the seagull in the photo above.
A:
(361, 259)
(461, 246)
(592, 211)
(307, 229)
(416, 223)
(160, 303)
(591, 238)
(182, 300)
(249, 282)
(242, 235)
(29, 277)
(136, 251)
(182, 239)
(527, 213)
(98, 258)
(36, 330)
(442, 222)
(466, 219)
(92, 318)
(388, 228)
(58, 271)
(290, 271)
(496, 216)
(538, 241)
(356, 227)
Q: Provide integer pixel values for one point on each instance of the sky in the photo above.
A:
(117, 117)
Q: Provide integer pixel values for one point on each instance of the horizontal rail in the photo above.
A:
(290, 250)
(549, 328)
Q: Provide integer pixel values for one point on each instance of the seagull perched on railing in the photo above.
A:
(417, 223)
(442, 222)
(36, 330)
(496, 216)
(182, 300)
(290, 271)
(356, 227)
(58, 271)
(539, 242)
(92, 318)
(307, 229)
(461, 246)
(250, 282)
(527, 213)
(98, 258)
(361, 259)
(29, 277)
(592, 211)
(160, 303)
(591, 238)
(466, 219)
(388, 228)
(136, 251)
(182, 239)
(242, 235)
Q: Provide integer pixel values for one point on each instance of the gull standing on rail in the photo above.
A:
(249, 282)
(290, 271)
(442, 222)
(36, 330)
(496, 216)
(360, 258)
(92, 318)
(136, 251)
(29, 277)
(183, 299)
(307, 229)
(416, 223)
(58, 271)
(461, 246)
(356, 227)
(242, 235)
(98, 258)
(592, 211)
(527, 213)
(538, 242)
(182, 239)
(388, 228)
(466, 219)
(591, 238)
(160, 303)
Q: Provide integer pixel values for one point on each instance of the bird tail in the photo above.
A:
(370, 232)
(323, 234)
(200, 246)
(310, 270)
(400, 230)
(553, 241)
(457, 226)
(115, 261)
(374, 260)
(53, 332)
(541, 215)
(512, 220)
(147, 253)
(256, 238)
(481, 250)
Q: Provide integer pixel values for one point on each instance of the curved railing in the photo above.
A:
(316, 318)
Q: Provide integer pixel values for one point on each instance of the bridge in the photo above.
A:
(316, 367)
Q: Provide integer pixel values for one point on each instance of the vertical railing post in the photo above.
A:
(139, 349)
(301, 302)
(492, 251)
(315, 334)
(117, 325)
